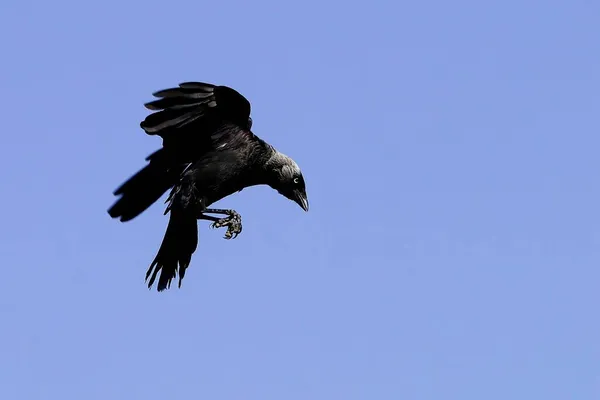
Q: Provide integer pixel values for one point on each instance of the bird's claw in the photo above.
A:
(233, 223)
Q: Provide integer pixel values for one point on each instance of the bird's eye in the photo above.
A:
(296, 180)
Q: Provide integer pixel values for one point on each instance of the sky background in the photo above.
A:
(452, 249)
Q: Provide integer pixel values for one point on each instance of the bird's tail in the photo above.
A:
(178, 245)
(145, 187)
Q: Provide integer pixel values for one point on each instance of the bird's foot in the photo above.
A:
(233, 223)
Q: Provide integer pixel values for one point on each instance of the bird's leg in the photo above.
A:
(233, 221)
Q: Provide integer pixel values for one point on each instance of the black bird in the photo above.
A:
(208, 152)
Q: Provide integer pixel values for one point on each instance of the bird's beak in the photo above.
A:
(301, 199)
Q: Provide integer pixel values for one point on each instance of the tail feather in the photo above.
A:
(175, 252)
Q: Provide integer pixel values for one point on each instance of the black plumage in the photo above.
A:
(209, 152)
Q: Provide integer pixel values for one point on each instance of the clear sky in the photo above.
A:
(452, 249)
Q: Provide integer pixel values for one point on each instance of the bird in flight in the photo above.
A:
(209, 152)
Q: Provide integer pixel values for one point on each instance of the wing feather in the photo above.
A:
(194, 102)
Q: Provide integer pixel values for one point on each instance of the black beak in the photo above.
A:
(301, 199)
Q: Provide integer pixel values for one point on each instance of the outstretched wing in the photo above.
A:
(195, 103)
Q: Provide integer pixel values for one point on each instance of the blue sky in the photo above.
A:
(453, 242)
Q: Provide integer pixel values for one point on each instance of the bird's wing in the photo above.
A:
(195, 102)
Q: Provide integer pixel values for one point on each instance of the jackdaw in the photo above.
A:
(209, 152)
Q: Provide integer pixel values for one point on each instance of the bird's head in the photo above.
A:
(288, 180)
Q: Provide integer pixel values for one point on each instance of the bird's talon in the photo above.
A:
(233, 223)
